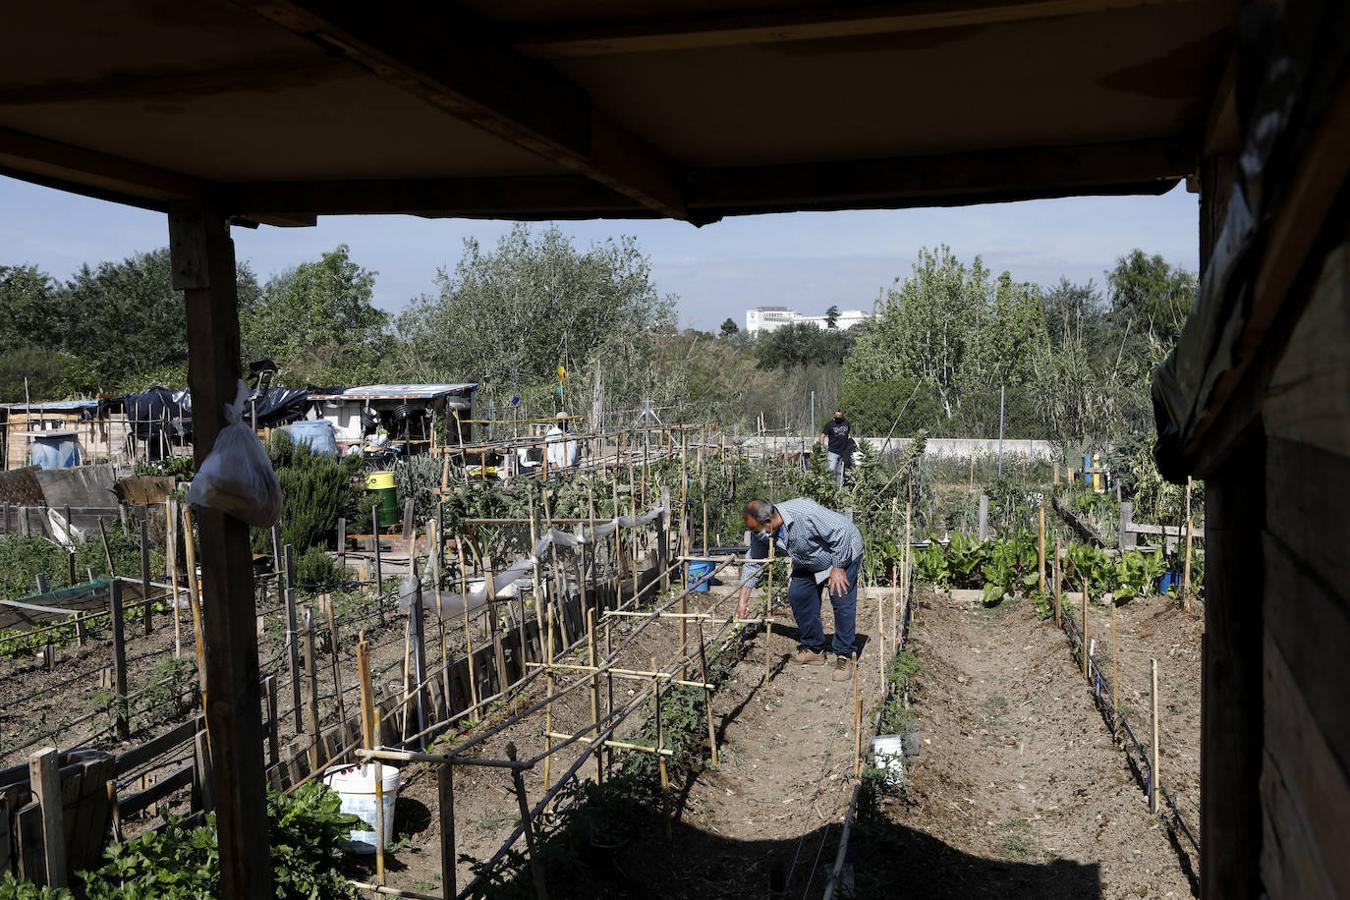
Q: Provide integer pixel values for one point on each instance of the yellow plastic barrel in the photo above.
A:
(381, 484)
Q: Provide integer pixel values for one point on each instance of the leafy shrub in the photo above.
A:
(315, 570)
(15, 888)
(307, 832)
(316, 490)
(172, 692)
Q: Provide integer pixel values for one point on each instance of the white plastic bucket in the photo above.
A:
(356, 786)
(888, 755)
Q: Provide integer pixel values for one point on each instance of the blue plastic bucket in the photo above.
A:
(1168, 581)
(318, 433)
(697, 572)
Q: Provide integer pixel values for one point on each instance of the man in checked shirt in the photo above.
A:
(823, 547)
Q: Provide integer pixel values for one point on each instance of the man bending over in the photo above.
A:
(823, 547)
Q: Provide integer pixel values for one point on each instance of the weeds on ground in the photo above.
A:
(1019, 842)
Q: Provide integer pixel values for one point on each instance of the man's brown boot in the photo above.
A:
(803, 656)
(843, 669)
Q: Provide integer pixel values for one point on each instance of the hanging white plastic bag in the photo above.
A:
(237, 476)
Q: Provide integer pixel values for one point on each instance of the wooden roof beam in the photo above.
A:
(93, 174)
(1142, 167)
(520, 197)
(459, 66)
(779, 26)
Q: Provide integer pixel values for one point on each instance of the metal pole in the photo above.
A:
(1000, 431)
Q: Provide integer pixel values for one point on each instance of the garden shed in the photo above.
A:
(252, 113)
(411, 415)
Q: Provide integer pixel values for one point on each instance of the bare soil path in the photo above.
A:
(1019, 790)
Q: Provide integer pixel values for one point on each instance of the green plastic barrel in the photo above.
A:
(381, 484)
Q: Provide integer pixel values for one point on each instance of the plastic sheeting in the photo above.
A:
(453, 605)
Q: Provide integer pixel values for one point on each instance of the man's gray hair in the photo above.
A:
(760, 510)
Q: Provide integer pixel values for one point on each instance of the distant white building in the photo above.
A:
(770, 318)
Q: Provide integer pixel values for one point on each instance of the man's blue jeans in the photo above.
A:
(835, 463)
(804, 595)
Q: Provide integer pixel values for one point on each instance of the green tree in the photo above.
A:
(510, 316)
(832, 317)
(31, 312)
(926, 327)
(802, 344)
(1151, 295)
(51, 374)
(319, 323)
(729, 328)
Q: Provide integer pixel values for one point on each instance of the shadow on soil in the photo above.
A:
(637, 852)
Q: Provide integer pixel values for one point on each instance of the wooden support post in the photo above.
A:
(768, 611)
(342, 546)
(548, 709)
(857, 721)
(1059, 588)
(983, 524)
(293, 667)
(1041, 548)
(595, 687)
(1115, 666)
(202, 257)
(660, 728)
(44, 778)
(663, 540)
(707, 694)
(273, 738)
(468, 632)
(171, 528)
(201, 760)
(1087, 663)
(311, 693)
(417, 633)
(379, 572)
(195, 601)
(120, 661)
(1126, 538)
(1155, 775)
(333, 645)
(379, 808)
(445, 792)
(531, 843)
(147, 608)
(881, 638)
(497, 652)
(537, 580)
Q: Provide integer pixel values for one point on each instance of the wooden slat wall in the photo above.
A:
(1305, 782)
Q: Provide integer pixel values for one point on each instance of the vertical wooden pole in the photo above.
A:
(146, 606)
(379, 572)
(195, 601)
(468, 632)
(536, 865)
(311, 693)
(707, 694)
(548, 708)
(983, 523)
(768, 610)
(120, 660)
(857, 721)
(1041, 548)
(491, 589)
(660, 728)
(342, 545)
(1155, 775)
(1086, 660)
(1115, 666)
(445, 792)
(202, 257)
(333, 645)
(595, 687)
(292, 637)
(437, 561)
(1059, 588)
(273, 739)
(44, 778)
(170, 526)
(881, 638)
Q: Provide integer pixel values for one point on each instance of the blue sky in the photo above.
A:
(807, 261)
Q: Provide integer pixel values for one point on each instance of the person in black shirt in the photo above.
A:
(834, 437)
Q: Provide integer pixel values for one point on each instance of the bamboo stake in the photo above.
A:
(881, 637)
(548, 710)
(613, 745)
(1155, 776)
(171, 526)
(660, 730)
(1086, 661)
(1059, 589)
(437, 563)
(379, 811)
(312, 692)
(445, 790)
(1041, 548)
(1186, 566)
(1115, 670)
(333, 644)
(857, 720)
(536, 865)
(468, 633)
(768, 612)
(194, 598)
(707, 696)
(609, 691)
(595, 687)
